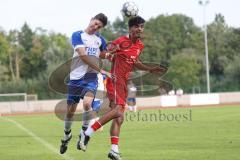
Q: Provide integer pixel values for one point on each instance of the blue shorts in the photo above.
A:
(78, 88)
(131, 100)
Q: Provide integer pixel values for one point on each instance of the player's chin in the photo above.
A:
(139, 35)
(92, 30)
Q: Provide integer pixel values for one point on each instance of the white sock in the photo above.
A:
(89, 131)
(130, 108)
(87, 117)
(135, 108)
(85, 125)
(67, 124)
(115, 148)
(93, 121)
(66, 136)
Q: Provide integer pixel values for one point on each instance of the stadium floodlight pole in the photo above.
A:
(204, 4)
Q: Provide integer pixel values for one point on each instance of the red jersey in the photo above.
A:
(124, 59)
(123, 63)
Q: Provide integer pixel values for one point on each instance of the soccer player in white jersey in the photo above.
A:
(88, 46)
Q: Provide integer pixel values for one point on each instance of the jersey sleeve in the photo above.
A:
(115, 43)
(77, 40)
(103, 46)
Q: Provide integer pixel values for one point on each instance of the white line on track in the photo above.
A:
(42, 141)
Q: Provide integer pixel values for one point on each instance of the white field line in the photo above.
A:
(42, 141)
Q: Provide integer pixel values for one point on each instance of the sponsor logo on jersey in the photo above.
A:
(91, 51)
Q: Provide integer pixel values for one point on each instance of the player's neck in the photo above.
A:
(88, 31)
(133, 39)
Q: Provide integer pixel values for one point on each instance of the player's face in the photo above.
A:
(136, 31)
(95, 25)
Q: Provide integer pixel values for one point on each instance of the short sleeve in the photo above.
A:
(103, 46)
(77, 40)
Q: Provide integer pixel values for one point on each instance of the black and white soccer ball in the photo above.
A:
(129, 9)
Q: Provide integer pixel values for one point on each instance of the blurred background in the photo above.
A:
(35, 40)
(197, 40)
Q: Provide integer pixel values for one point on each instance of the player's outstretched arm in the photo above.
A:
(139, 65)
(110, 51)
(82, 54)
(153, 69)
(106, 55)
(158, 69)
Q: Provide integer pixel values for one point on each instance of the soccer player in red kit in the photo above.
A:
(124, 60)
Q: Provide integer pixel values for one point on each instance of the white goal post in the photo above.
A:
(15, 95)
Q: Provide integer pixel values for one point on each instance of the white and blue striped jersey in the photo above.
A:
(93, 45)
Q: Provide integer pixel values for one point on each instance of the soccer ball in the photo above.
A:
(129, 9)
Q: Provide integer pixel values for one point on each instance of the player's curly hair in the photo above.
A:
(135, 21)
(101, 17)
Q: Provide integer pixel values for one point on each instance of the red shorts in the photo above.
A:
(117, 91)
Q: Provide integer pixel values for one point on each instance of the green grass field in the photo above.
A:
(209, 133)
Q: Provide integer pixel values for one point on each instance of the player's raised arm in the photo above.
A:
(105, 55)
(84, 57)
(153, 69)
(139, 65)
(109, 50)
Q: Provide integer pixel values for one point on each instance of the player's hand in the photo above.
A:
(112, 48)
(109, 56)
(115, 49)
(108, 74)
(158, 69)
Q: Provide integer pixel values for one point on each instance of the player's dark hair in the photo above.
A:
(135, 21)
(101, 17)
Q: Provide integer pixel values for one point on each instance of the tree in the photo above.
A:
(16, 54)
(120, 27)
(26, 37)
(4, 48)
(3, 73)
(59, 49)
(218, 34)
(4, 52)
(34, 63)
(233, 43)
(232, 72)
(108, 32)
(33, 46)
(184, 70)
(167, 35)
